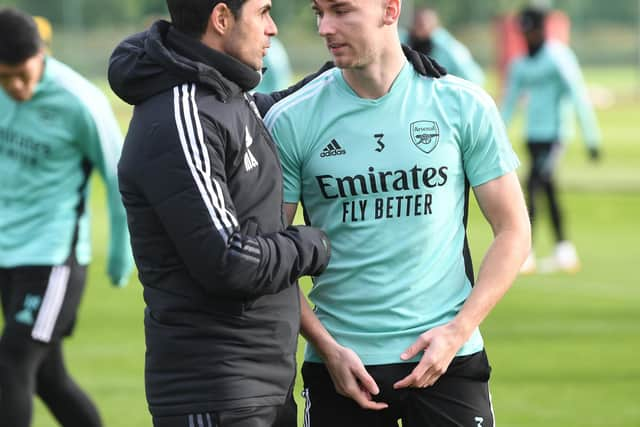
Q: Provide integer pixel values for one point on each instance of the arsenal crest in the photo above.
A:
(425, 135)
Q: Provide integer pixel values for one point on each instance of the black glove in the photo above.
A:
(594, 154)
(314, 248)
(424, 64)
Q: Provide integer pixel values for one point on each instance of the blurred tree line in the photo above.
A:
(584, 11)
(91, 13)
(86, 31)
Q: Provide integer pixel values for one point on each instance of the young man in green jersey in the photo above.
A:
(55, 127)
(550, 76)
(276, 73)
(382, 160)
(429, 37)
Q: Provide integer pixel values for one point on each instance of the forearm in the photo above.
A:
(583, 106)
(348, 374)
(244, 266)
(508, 107)
(588, 124)
(498, 270)
(510, 99)
(314, 332)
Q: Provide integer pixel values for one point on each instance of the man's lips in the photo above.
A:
(333, 46)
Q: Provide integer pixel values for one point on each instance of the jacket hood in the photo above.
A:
(162, 57)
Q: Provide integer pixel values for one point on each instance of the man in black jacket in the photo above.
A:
(202, 185)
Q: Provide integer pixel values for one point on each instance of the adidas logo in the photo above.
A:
(250, 161)
(333, 149)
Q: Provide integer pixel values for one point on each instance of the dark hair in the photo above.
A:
(19, 38)
(532, 18)
(191, 16)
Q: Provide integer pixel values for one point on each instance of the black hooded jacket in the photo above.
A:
(201, 182)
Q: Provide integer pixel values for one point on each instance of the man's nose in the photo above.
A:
(325, 26)
(272, 28)
(15, 84)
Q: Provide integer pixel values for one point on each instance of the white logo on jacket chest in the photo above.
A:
(250, 161)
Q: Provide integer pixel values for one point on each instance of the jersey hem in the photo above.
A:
(389, 359)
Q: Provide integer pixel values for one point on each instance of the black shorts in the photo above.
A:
(544, 157)
(459, 398)
(40, 302)
(261, 416)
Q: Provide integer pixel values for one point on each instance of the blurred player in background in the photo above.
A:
(55, 128)
(428, 37)
(383, 159)
(46, 32)
(277, 75)
(550, 76)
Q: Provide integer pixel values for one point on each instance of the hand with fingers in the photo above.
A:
(440, 346)
(351, 378)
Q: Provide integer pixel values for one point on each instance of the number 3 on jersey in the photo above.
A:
(378, 137)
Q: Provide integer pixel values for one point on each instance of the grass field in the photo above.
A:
(563, 347)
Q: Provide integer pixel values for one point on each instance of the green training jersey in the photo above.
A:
(455, 57)
(48, 147)
(551, 79)
(388, 181)
(278, 73)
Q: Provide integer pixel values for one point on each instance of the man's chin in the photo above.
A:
(342, 63)
(20, 97)
(253, 63)
(257, 65)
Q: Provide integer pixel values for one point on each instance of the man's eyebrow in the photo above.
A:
(333, 3)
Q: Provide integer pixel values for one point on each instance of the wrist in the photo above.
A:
(329, 350)
(323, 343)
(461, 328)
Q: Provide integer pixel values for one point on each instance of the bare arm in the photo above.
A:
(349, 375)
(503, 205)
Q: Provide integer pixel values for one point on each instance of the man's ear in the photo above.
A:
(221, 19)
(391, 11)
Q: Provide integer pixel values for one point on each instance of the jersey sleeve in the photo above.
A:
(486, 150)
(573, 79)
(285, 137)
(101, 141)
(458, 57)
(467, 67)
(512, 93)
